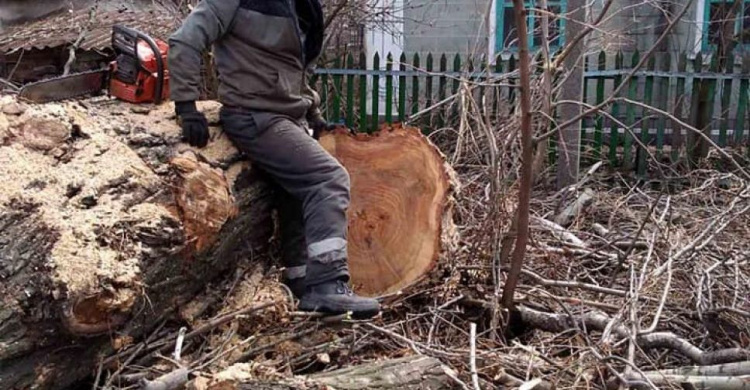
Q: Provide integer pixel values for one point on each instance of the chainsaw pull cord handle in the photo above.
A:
(157, 53)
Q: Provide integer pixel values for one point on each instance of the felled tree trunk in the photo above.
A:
(106, 228)
(108, 225)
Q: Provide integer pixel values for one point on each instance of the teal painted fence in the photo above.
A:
(694, 90)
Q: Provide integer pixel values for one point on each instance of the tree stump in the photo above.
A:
(109, 225)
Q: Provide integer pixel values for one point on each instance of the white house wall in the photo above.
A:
(384, 35)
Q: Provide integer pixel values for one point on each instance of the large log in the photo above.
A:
(108, 225)
(105, 229)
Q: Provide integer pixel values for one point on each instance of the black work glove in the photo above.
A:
(319, 125)
(194, 124)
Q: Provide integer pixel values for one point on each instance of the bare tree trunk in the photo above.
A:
(572, 89)
(527, 157)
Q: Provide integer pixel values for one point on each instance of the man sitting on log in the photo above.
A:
(263, 50)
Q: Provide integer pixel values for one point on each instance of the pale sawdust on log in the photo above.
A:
(68, 174)
(74, 161)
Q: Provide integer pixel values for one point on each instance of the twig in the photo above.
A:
(171, 381)
(78, 41)
(250, 353)
(600, 321)
(473, 355)
(624, 256)
(697, 382)
(178, 344)
(560, 231)
(728, 369)
(568, 284)
(98, 375)
(419, 349)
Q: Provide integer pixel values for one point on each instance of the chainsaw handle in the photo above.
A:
(136, 35)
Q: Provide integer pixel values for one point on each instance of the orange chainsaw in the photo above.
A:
(137, 75)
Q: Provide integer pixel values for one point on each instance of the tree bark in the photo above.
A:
(568, 156)
(86, 261)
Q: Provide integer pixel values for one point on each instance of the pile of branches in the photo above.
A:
(635, 284)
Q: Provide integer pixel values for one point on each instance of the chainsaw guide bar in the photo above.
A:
(65, 87)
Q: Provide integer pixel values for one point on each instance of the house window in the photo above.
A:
(506, 33)
(726, 21)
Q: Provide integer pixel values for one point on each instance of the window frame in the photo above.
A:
(499, 33)
(706, 45)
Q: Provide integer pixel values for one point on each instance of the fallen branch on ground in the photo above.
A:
(599, 321)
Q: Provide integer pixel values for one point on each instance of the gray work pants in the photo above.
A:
(314, 193)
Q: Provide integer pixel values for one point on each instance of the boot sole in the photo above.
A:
(358, 314)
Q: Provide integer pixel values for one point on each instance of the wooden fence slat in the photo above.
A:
(496, 91)
(742, 108)
(697, 113)
(726, 96)
(481, 79)
(337, 84)
(454, 89)
(442, 82)
(428, 93)
(375, 94)
(402, 89)
(662, 103)
(646, 121)
(350, 92)
(584, 142)
(614, 128)
(363, 95)
(680, 100)
(632, 94)
(599, 125)
(415, 86)
(711, 103)
(325, 101)
(389, 89)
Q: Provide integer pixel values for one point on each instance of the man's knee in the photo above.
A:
(338, 185)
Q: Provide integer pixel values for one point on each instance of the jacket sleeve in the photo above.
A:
(313, 113)
(210, 20)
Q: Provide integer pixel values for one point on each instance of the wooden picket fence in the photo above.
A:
(694, 90)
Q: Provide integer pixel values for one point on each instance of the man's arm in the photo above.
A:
(208, 22)
(314, 116)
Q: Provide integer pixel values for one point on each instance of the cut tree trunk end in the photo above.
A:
(109, 225)
(400, 217)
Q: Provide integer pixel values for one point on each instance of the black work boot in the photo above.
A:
(335, 297)
(296, 286)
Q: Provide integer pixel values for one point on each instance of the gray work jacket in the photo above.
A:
(259, 52)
